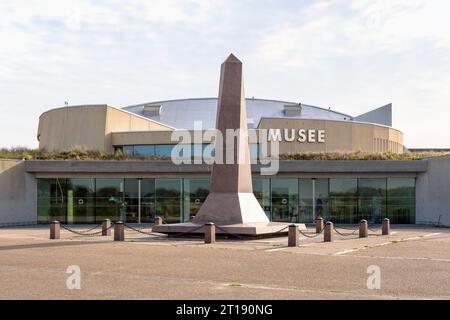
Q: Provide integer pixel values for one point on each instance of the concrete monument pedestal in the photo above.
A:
(245, 230)
(231, 204)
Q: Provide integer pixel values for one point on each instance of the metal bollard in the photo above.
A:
(328, 232)
(210, 233)
(119, 231)
(293, 236)
(106, 227)
(319, 224)
(158, 221)
(55, 230)
(386, 227)
(363, 229)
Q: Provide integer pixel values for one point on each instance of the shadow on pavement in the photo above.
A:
(49, 245)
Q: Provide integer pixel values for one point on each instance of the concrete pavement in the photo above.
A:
(414, 264)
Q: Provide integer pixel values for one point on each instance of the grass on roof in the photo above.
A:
(81, 154)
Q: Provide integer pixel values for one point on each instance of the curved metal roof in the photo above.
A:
(182, 113)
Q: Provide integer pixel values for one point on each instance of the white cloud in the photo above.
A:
(361, 54)
(332, 28)
(351, 55)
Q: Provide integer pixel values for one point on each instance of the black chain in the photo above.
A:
(345, 234)
(311, 236)
(143, 232)
(83, 233)
(279, 231)
(88, 230)
(346, 228)
(229, 233)
(187, 232)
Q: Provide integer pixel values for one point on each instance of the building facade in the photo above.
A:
(148, 129)
(345, 191)
(407, 192)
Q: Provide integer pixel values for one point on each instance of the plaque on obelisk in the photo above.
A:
(231, 198)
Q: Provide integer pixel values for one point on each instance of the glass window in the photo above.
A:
(372, 199)
(306, 200)
(195, 193)
(144, 150)
(343, 200)
(321, 198)
(261, 190)
(131, 198)
(182, 151)
(80, 200)
(148, 200)
(168, 199)
(285, 200)
(401, 200)
(51, 200)
(313, 199)
(109, 199)
(128, 149)
(163, 150)
(197, 151)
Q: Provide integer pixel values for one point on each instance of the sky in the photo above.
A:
(352, 56)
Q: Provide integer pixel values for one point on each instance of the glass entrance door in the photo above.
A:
(147, 200)
(285, 200)
(139, 200)
(131, 195)
(168, 199)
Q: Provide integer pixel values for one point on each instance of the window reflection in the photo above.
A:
(80, 200)
(195, 193)
(168, 199)
(342, 200)
(109, 199)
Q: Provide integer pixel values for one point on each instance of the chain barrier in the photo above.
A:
(281, 230)
(345, 234)
(151, 233)
(162, 234)
(307, 235)
(347, 228)
(378, 229)
(94, 234)
(229, 233)
(310, 234)
(133, 228)
(89, 230)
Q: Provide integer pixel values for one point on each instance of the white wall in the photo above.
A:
(433, 192)
(18, 198)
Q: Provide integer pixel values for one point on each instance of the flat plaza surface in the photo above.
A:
(414, 263)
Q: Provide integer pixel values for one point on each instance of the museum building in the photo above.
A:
(343, 191)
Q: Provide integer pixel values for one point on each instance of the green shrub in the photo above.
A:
(75, 153)
(359, 155)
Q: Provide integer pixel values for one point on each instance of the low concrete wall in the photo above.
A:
(433, 193)
(18, 198)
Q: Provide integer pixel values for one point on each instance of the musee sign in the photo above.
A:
(300, 135)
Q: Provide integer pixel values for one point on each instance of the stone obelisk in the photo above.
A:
(231, 199)
(231, 204)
